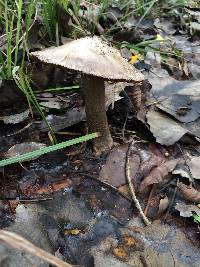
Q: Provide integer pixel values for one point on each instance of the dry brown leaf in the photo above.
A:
(159, 173)
(188, 192)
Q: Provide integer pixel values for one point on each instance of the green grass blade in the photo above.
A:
(9, 33)
(19, 28)
(45, 150)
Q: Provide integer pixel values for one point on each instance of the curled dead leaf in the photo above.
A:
(188, 192)
(158, 174)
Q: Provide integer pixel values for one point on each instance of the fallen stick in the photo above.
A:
(19, 243)
(131, 188)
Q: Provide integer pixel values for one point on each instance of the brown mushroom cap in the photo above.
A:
(90, 55)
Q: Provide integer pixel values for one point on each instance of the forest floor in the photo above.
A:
(80, 206)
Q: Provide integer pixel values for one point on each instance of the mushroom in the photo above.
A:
(97, 61)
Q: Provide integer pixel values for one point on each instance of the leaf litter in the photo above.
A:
(87, 217)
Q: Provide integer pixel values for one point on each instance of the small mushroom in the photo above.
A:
(97, 62)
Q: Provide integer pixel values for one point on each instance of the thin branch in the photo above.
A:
(132, 190)
(21, 244)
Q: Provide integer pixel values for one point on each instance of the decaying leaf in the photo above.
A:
(16, 118)
(120, 253)
(166, 130)
(163, 205)
(180, 100)
(181, 107)
(67, 119)
(158, 174)
(53, 104)
(113, 171)
(112, 92)
(182, 170)
(194, 166)
(22, 148)
(187, 210)
(72, 232)
(189, 192)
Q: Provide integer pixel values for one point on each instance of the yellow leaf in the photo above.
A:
(135, 58)
(159, 38)
(72, 232)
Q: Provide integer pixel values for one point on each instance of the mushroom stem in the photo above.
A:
(94, 90)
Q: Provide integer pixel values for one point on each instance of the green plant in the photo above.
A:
(16, 34)
(196, 218)
(45, 150)
(23, 82)
(49, 14)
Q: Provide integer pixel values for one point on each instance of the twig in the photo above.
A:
(132, 191)
(149, 199)
(21, 244)
(124, 127)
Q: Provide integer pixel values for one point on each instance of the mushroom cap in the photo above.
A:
(91, 55)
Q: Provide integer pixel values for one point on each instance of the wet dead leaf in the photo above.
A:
(187, 210)
(16, 118)
(69, 118)
(113, 172)
(22, 148)
(188, 192)
(158, 174)
(53, 187)
(53, 104)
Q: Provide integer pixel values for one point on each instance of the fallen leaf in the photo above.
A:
(69, 118)
(129, 241)
(182, 170)
(112, 92)
(22, 148)
(187, 210)
(16, 118)
(158, 174)
(72, 232)
(120, 253)
(159, 38)
(181, 107)
(53, 104)
(53, 187)
(113, 172)
(166, 130)
(163, 205)
(194, 166)
(188, 192)
(135, 58)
